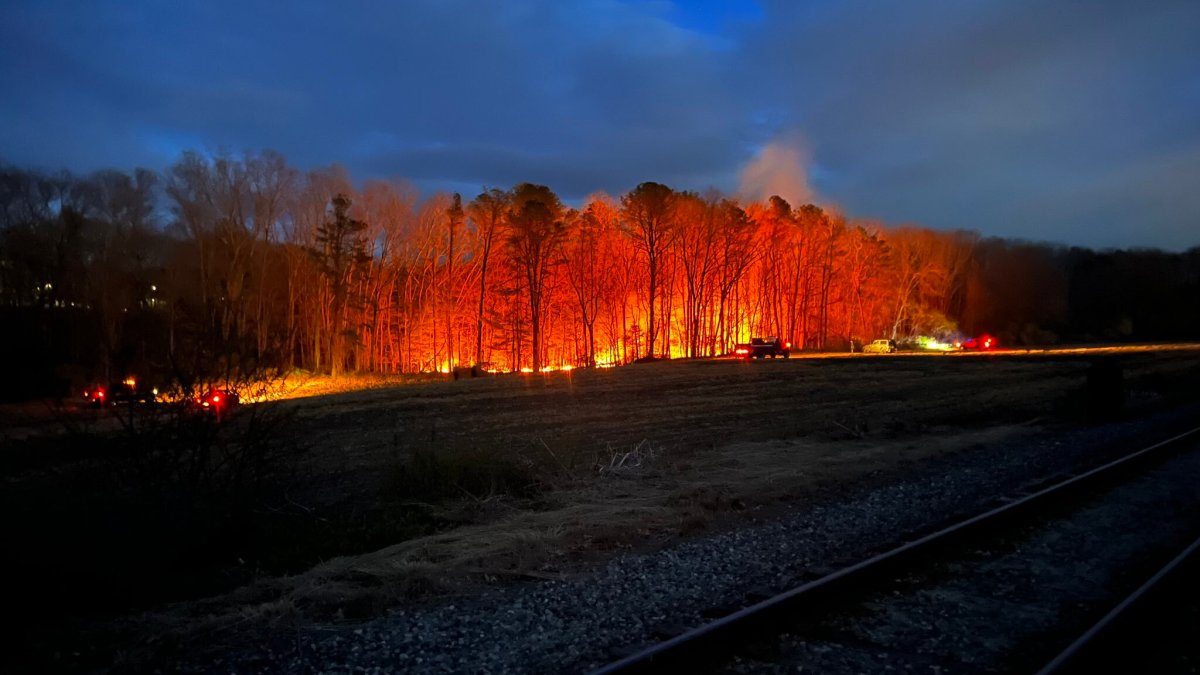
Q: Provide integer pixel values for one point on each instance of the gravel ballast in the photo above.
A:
(1012, 603)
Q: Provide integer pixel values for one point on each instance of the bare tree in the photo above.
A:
(590, 265)
(487, 212)
(648, 212)
(536, 233)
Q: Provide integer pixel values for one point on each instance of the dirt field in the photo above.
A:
(583, 419)
(636, 457)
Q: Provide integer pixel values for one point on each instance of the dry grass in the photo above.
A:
(302, 384)
(634, 439)
(589, 522)
(632, 458)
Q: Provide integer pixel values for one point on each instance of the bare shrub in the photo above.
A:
(168, 504)
(624, 461)
(428, 475)
(197, 465)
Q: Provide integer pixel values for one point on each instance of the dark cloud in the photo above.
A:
(700, 163)
(1067, 121)
(1064, 121)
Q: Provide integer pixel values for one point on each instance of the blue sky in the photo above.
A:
(1071, 122)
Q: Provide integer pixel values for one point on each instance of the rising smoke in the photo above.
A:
(780, 168)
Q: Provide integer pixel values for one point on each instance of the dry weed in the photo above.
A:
(636, 458)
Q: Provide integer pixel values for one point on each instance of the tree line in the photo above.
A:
(225, 262)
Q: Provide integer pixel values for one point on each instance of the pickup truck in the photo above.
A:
(761, 348)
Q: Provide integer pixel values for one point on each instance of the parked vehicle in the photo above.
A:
(129, 390)
(96, 396)
(982, 343)
(218, 402)
(880, 347)
(761, 348)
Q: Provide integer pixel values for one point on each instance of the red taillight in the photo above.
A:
(788, 345)
(100, 394)
(216, 398)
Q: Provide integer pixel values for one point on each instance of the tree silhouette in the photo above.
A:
(339, 252)
(648, 217)
(487, 213)
(536, 230)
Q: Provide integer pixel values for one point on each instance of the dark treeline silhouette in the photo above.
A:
(227, 263)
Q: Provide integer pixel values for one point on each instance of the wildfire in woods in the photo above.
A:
(260, 263)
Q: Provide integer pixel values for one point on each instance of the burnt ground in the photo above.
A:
(595, 464)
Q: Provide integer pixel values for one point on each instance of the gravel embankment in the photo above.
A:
(580, 623)
(1012, 604)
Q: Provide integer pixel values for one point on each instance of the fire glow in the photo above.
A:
(377, 281)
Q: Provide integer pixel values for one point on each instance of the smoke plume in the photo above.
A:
(780, 168)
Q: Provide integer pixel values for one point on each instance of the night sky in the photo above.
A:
(1071, 122)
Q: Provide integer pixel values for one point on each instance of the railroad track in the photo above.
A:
(860, 609)
(1117, 641)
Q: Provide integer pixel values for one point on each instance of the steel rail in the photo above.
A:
(1082, 654)
(722, 635)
